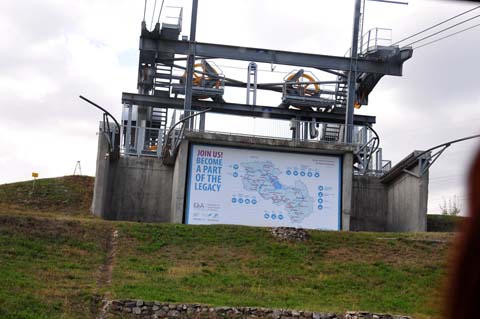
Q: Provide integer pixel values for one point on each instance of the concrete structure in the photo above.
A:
(131, 188)
(144, 189)
(396, 201)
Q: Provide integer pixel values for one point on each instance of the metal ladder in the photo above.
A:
(163, 80)
(341, 93)
(332, 132)
(158, 115)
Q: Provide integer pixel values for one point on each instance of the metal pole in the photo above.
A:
(352, 74)
(190, 63)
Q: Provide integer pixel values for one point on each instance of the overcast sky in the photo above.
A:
(52, 51)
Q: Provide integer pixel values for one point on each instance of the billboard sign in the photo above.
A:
(227, 185)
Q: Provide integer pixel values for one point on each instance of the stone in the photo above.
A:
(130, 304)
(160, 313)
(137, 310)
(127, 310)
(139, 303)
(155, 308)
(173, 313)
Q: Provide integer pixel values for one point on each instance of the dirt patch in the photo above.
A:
(105, 275)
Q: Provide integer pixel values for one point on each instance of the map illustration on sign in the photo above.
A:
(227, 185)
(262, 177)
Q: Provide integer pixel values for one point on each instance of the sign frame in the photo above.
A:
(189, 174)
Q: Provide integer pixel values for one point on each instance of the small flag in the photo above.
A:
(34, 175)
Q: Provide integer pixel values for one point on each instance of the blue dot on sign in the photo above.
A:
(235, 174)
(280, 216)
(240, 200)
(295, 173)
(234, 200)
(266, 216)
(254, 201)
(247, 201)
(317, 174)
(320, 188)
(320, 200)
(289, 172)
(320, 194)
(309, 174)
(274, 216)
(235, 166)
(320, 207)
(302, 173)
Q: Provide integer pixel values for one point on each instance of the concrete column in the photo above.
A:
(100, 190)
(179, 184)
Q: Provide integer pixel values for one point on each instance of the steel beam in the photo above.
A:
(220, 51)
(244, 110)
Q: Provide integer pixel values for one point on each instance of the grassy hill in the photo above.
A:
(52, 265)
(67, 194)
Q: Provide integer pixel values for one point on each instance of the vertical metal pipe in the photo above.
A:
(187, 106)
(352, 74)
(128, 144)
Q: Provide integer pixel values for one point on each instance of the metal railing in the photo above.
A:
(374, 38)
(141, 141)
(173, 17)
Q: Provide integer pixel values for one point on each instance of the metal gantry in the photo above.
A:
(304, 97)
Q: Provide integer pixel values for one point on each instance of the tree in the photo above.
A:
(450, 208)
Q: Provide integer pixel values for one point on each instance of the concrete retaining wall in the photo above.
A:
(407, 203)
(142, 190)
(131, 188)
(396, 205)
(369, 210)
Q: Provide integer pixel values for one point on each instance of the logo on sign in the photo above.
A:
(198, 205)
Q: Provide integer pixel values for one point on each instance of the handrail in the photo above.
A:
(432, 158)
(183, 120)
(115, 148)
(101, 108)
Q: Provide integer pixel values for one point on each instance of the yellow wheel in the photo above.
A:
(307, 88)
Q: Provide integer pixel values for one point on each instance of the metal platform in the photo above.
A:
(243, 110)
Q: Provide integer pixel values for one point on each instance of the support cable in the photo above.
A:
(450, 27)
(153, 14)
(447, 36)
(160, 13)
(436, 25)
(144, 10)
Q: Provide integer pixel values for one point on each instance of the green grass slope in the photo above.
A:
(52, 253)
(49, 267)
(67, 194)
(245, 266)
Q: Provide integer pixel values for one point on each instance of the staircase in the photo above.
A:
(332, 133)
(158, 116)
(341, 90)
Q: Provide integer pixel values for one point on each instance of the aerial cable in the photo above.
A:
(153, 14)
(436, 25)
(144, 10)
(160, 13)
(433, 34)
(447, 36)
